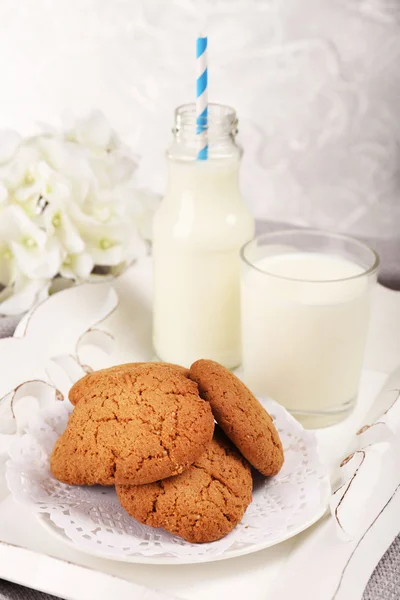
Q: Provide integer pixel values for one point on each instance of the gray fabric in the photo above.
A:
(8, 325)
(11, 591)
(384, 583)
(385, 580)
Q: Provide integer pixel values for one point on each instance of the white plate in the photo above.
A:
(93, 520)
(164, 560)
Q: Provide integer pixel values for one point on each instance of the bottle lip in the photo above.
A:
(222, 119)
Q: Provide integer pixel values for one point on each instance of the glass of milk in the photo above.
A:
(305, 306)
(198, 231)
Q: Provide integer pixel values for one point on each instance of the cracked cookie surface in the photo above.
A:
(82, 388)
(240, 415)
(137, 426)
(204, 503)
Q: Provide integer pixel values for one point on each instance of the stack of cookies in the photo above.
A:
(148, 429)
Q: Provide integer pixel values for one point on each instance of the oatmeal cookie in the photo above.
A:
(240, 415)
(204, 503)
(137, 426)
(82, 388)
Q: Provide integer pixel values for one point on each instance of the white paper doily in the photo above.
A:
(92, 519)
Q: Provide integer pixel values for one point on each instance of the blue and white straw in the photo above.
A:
(202, 97)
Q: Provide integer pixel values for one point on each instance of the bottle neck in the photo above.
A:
(219, 133)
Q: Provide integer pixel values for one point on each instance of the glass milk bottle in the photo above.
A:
(198, 231)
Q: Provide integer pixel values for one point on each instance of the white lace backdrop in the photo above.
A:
(316, 84)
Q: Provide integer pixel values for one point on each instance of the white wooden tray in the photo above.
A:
(32, 557)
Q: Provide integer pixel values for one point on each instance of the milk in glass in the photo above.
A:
(304, 322)
(198, 231)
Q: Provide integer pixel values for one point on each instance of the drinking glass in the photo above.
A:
(305, 303)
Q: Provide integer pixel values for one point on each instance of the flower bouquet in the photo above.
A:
(69, 209)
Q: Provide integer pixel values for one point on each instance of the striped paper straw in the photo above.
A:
(202, 97)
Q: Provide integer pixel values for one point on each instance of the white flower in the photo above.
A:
(112, 169)
(69, 159)
(67, 205)
(110, 241)
(35, 255)
(77, 266)
(19, 177)
(93, 131)
(7, 265)
(3, 193)
(55, 215)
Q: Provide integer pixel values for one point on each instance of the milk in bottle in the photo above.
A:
(198, 231)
